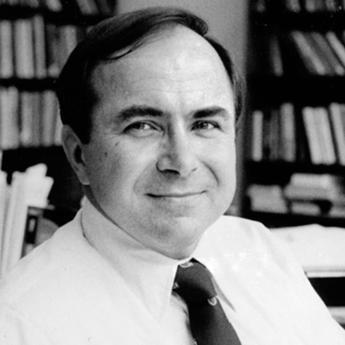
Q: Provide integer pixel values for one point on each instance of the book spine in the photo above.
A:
(6, 49)
(337, 119)
(326, 54)
(288, 130)
(312, 135)
(324, 130)
(257, 135)
(311, 61)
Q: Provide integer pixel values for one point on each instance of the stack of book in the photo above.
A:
(30, 188)
(305, 194)
(30, 49)
(85, 7)
(28, 119)
(313, 194)
(279, 134)
(267, 198)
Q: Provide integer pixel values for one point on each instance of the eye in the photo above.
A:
(141, 128)
(205, 125)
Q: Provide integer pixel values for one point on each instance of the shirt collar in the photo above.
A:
(149, 274)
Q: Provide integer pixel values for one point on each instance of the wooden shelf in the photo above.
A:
(280, 171)
(300, 89)
(33, 84)
(304, 21)
(273, 219)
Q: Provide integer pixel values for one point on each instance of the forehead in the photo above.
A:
(175, 60)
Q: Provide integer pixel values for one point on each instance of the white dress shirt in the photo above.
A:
(91, 283)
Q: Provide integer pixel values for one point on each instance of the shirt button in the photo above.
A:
(212, 301)
(187, 264)
(175, 286)
(195, 342)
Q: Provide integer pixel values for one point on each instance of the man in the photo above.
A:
(149, 105)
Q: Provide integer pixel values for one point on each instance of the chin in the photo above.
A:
(180, 236)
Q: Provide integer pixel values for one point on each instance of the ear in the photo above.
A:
(73, 148)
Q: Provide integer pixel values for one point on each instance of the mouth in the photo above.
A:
(177, 195)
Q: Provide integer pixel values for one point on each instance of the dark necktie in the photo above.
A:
(208, 323)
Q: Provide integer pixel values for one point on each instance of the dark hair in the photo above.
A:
(74, 90)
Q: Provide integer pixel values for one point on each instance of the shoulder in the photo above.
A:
(237, 232)
(238, 239)
(42, 267)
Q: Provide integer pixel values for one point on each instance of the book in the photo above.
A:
(87, 7)
(39, 47)
(326, 54)
(54, 5)
(288, 130)
(265, 198)
(293, 5)
(315, 180)
(276, 61)
(36, 130)
(274, 135)
(58, 129)
(310, 6)
(69, 38)
(257, 135)
(52, 52)
(304, 207)
(337, 46)
(104, 7)
(311, 130)
(307, 53)
(325, 135)
(307, 186)
(6, 49)
(9, 133)
(331, 5)
(337, 117)
(26, 119)
(260, 6)
(266, 128)
(24, 50)
(49, 115)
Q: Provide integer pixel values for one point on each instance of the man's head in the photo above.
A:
(157, 155)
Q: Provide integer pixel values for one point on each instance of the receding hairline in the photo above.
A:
(165, 31)
(122, 34)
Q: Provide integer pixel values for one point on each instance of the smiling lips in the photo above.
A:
(177, 195)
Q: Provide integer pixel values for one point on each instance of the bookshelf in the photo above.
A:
(35, 39)
(295, 152)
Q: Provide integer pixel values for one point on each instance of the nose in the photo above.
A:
(178, 155)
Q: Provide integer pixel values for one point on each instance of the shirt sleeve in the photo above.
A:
(17, 329)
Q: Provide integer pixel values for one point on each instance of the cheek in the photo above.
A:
(117, 170)
(221, 160)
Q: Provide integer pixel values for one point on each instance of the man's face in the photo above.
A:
(161, 159)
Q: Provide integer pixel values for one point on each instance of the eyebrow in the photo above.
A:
(211, 111)
(137, 110)
(134, 111)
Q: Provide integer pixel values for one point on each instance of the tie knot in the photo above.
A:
(193, 283)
